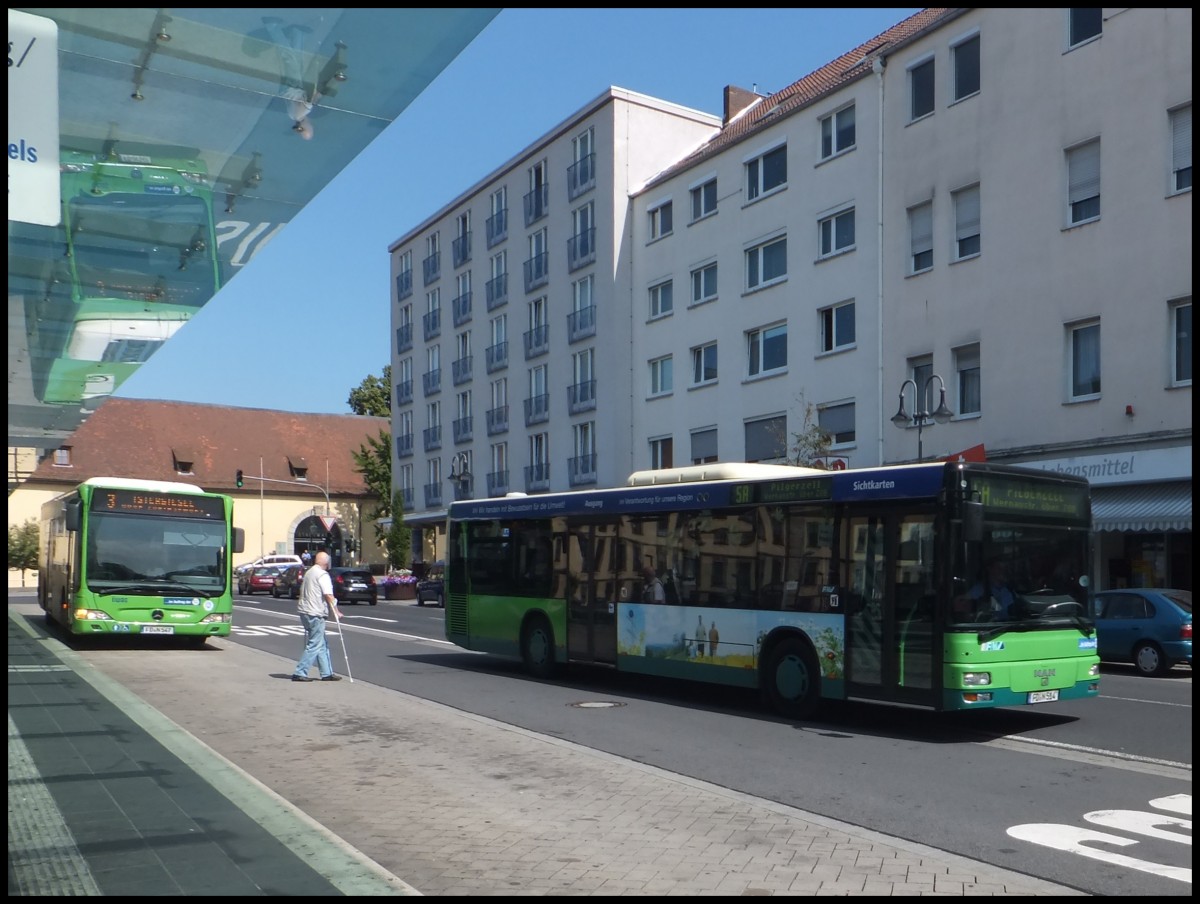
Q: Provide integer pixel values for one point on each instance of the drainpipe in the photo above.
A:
(877, 66)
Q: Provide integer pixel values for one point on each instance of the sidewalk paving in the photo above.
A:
(122, 780)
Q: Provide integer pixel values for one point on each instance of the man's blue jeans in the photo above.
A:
(316, 648)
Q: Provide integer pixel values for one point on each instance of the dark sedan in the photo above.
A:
(287, 582)
(354, 585)
(431, 588)
(1148, 626)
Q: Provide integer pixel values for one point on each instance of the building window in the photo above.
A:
(837, 422)
(704, 364)
(1084, 24)
(920, 237)
(1084, 354)
(62, 457)
(766, 263)
(966, 67)
(661, 221)
(704, 200)
(704, 283)
(766, 173)
(1181, 148)
(836, 233)
(920, 83)
(837, 132)
(704, 446)
(1181, 346)
(661, 299)
(766, 350)
(966, 222)
(662, 453)
(662, 380)
(920, 369)
(1083, 183)
(837, 326)
(766, 438)
(966, 366)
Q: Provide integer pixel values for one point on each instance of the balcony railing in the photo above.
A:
(432, 267)
(537, 271)
(433, 438)
(497, 420)
(403, 284)
(537, 202)
(463, 429)
(581, 176)
(497, 483)
(581, 470)
(404, 340)
(581, 249)
(433, 495)
(460, 249)
(404, 445)
(461, 369)
(537, 341)
(581, 397)
(497, 357)
(497, 227)
(581, 324)
(461, 306)
(433, 324)
(496, 289)
(406, 498)
(404, 392)
(431, 381)
(537, 476)
(464, 488)
(537, 409)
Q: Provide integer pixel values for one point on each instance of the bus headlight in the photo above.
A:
(976, 679)
(91, 615)
(217, 618)
(1094, 670)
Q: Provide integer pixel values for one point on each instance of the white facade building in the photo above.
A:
(993, 202)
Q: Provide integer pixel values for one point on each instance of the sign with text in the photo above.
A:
(33, 165)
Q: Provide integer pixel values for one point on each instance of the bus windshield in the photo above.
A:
(129, 553)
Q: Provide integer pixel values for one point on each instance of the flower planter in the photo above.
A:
(399, 591)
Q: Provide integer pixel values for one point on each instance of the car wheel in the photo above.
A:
(537, 648)
(791, 682)
(441, 601)
(275, 592)
(1149, 659)
(374, 601)
(420, 600)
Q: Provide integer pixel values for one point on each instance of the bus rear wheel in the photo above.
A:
(537, 648)
(791, 682)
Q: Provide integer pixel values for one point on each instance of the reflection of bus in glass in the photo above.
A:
(123, 556)
(806, 584)
(140, 260)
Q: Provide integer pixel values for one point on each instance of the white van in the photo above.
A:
(269, 560)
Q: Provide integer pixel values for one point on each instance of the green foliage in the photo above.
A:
(374, 462)
(373, 396)
(810, 447)
(23, 545)
(397, 541)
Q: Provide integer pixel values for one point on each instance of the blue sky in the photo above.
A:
(309, 318)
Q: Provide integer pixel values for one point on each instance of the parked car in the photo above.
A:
(267, 560)
(255, 579)
(1148, 626)
(287, 582)
(354, 585)
(431, 587)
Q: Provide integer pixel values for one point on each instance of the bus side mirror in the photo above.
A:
(72, 514)
(972, 516)
(239, 539)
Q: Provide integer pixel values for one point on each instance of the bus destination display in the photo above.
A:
(139, 502)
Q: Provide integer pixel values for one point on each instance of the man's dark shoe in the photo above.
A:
(301, 678)
(332, 678)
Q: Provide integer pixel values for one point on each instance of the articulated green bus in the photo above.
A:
(872, 584)
(123, 556)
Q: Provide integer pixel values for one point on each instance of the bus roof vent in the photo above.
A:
(725, 470)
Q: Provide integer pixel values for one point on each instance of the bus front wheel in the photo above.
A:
(791, 681)
(537, 648)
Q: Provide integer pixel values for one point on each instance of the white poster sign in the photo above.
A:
(33, 186)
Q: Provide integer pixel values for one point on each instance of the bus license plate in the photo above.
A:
(1043, 696)
(158, 629)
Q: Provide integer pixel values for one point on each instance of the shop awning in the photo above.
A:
(1143, 507)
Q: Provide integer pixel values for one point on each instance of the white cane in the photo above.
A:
(345, 655)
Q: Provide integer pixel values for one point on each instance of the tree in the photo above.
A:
(810, 447)
(373, 396)
(397, 541)
(373, 461)
(23, 547)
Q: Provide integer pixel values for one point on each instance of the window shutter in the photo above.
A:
(922, 228)
(766, 439)
(1181, 139)
(1084, 173)
(704, 445)
(966, 214)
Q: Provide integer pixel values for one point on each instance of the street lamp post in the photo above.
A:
(922, 416)
(460, 476)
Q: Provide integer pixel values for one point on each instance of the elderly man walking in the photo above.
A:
(317, 603)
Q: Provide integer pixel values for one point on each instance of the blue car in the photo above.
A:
(1148, 626)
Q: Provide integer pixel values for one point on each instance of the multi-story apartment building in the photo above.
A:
(922, 213)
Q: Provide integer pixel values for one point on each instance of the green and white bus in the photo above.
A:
(123, 556)
(809, 585)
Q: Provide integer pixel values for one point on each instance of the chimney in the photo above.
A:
(737, 100)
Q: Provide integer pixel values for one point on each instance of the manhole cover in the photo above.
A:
(596, 704)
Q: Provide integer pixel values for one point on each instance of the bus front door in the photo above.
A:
(889, 579)
(591, 602)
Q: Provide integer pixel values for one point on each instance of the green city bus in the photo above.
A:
(808, 585)
(123, 556)
(140, 259)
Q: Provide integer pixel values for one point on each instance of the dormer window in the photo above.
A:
(62, 457)
(183, 460)
(298, 467)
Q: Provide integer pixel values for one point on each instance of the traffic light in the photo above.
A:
(238, 478)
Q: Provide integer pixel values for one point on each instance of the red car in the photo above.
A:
(261, 578)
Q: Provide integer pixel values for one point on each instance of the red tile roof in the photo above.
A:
(144, 439)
